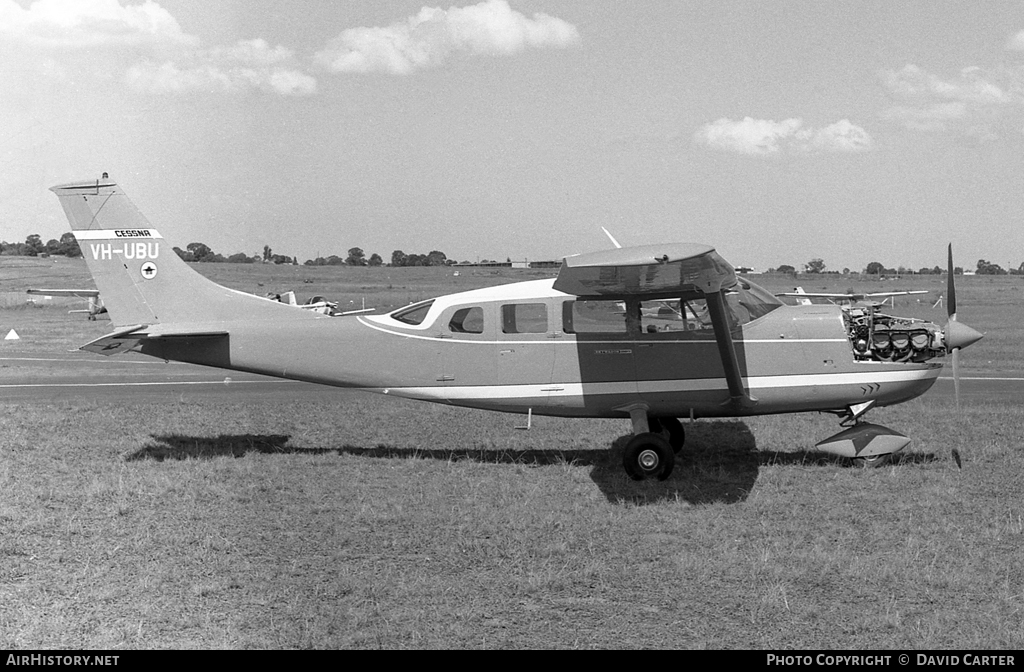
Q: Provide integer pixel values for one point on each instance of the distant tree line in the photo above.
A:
(878, 268)
(200, 252)
(434, 258)
(34, 246)
(356, 257)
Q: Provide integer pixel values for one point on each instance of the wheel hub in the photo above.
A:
(648, 460)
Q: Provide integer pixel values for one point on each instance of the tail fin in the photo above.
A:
(141, 280)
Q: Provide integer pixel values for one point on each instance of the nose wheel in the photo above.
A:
(648, 455)
(873, 460)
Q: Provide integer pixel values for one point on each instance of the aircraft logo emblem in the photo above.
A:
(149, 270)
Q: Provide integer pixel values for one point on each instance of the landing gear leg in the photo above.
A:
(671, 429)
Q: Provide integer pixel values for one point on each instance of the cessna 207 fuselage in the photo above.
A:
(650, 333)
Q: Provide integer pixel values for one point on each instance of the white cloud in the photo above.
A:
(141, 43)
(89, 23)
(762, 136)
(432, 35)
(1016, 42)
(974, 101)
(249, 64)
(973, 85)
(841, 136)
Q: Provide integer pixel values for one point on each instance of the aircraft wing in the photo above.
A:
(128, 338)
(674, 270)
(650, 272)
(851, 296)
(80, 293)
(887, 294)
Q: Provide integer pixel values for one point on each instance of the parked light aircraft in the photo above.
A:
(847, 298)
(95, 308)
(593, 342)
(316, 304)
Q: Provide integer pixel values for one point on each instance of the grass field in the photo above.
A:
(354, 521)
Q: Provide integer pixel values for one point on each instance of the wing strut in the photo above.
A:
(738, 398)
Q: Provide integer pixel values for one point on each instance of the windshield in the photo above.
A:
(752, 298)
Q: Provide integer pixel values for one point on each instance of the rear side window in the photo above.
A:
(467, 321)
(524, 318)
(414, 314)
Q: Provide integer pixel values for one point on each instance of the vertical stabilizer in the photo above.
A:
(140, 278)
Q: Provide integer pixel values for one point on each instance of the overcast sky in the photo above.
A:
(775, 131)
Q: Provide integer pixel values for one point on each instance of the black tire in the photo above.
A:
(671, 429)
(873, 460)
(648, 455)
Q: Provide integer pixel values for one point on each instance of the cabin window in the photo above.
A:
(467, 321)
(414, 314)
(594, 317)
(674, 315)
(524, 318)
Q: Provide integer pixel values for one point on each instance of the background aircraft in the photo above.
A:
(95, 308)
(846, 298)
(593, 342)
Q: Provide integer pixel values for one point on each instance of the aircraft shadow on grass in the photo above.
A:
(719, 464)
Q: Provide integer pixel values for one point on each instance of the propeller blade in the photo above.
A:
(957, 336)
(950, 288)
(956, 377)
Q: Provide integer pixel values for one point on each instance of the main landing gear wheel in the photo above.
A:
(873, 460)
(671, 429)
(648, 455)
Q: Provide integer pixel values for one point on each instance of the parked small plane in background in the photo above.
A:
(318, 304)
(597, 341)
(846, 298)
(95, 308)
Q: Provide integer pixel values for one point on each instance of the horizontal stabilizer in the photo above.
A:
(120, 341)
(127, 339)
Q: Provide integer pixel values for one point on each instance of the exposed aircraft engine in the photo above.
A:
(885, 338)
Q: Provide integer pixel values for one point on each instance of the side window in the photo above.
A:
(674, 315)
(524, 318)
(594, 317)
(414, 314)
(467, 321)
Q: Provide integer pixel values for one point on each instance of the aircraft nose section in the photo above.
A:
(959, 335)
